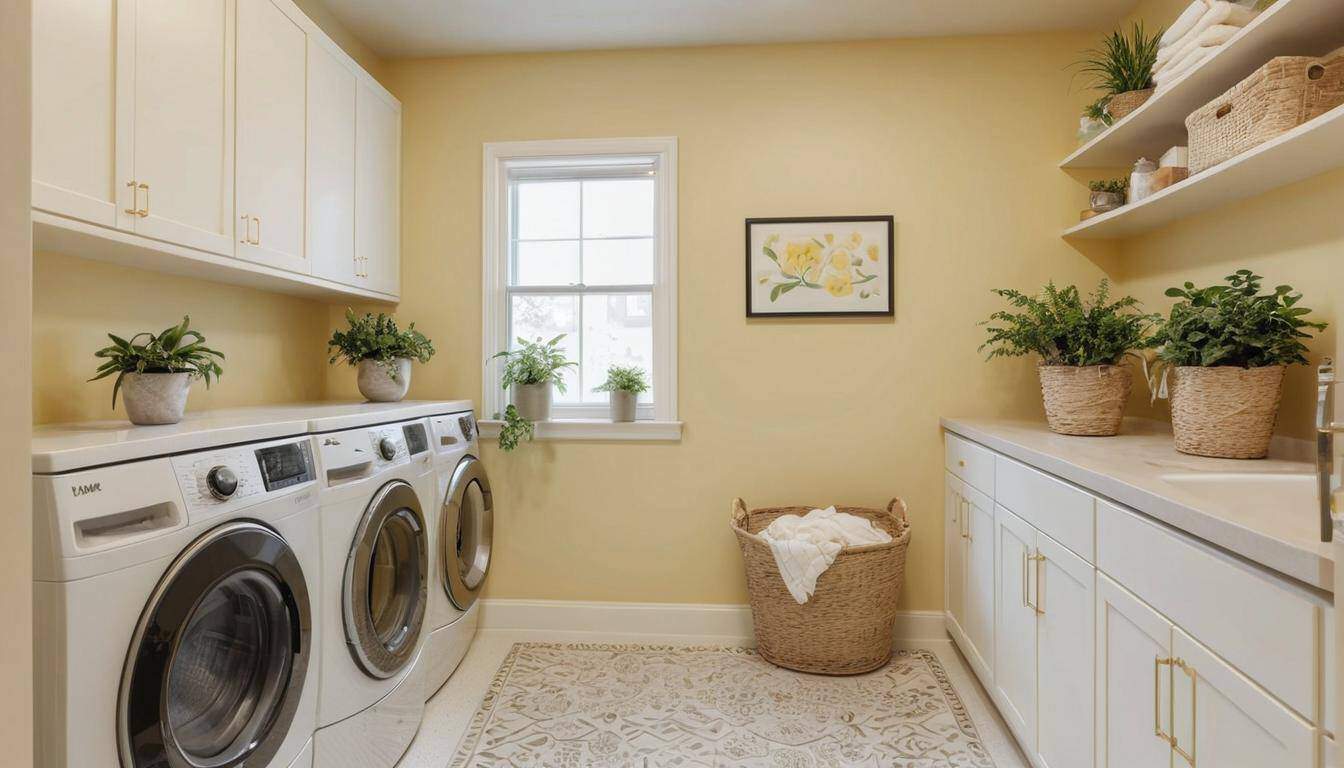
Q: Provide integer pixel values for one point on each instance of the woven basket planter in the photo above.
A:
(846, 627)
(1276, 98)
(1122, 104)
(1087, 400)
(1227, 412)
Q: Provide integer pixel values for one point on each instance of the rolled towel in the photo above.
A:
(1184, 23)
(1210, 38)
(1188, 62)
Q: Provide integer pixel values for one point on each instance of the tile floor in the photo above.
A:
(449, 712)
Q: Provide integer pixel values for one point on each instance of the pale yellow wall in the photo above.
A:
(357, 50)
(958, 138)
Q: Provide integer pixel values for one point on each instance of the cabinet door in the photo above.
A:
(1015, 626)
(1220, 718)
(378, 189)
(183, 121)
(954, 557)
(272, 61)
(980, 568)
(1066, 597)
(331, 165)
(75, 108)
(1133, 691)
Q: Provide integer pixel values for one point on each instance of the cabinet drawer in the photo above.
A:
(1061, 511)
(1263, 628)
(970, 462)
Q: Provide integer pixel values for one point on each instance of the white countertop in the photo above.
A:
(1132, 469)
(68, 447)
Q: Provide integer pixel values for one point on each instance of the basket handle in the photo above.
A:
(895, 504)
(1222, 112)
(739, 509)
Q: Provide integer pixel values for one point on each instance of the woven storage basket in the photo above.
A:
(1278, 97)
(1086, 400)
(846, 627)
(1122, 104)
(1226, 412)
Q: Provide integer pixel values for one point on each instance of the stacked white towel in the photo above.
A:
(804, 547)
(1196, 35)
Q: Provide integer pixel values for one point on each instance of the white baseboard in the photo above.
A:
(668, 623)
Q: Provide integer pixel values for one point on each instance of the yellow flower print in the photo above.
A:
(771, 241)
(872, 253)
(841, 284)
(830, 238)
(840, 260)
(801, 259)
(855, 240)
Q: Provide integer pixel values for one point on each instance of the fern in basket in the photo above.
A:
(1065, 330)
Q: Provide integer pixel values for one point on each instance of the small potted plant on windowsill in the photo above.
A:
(382, 353)
(1081, 345)
(1228, 347)
(530, 371)
(154, 371)
(624, 385)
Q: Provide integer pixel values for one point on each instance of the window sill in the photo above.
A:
(594, 429)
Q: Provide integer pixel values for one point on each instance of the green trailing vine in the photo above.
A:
(533, 362)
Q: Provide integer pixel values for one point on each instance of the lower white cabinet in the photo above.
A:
(1065, 623)
(1133, 682)
(1015, 629)
(970, 571)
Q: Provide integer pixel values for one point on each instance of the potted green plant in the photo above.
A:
(1227, 348)
(1081, 345)
(1094, 119)
(154, 371)
(624, 384)
(1107, 194)
(530, 371)
(382, 353)
(1123, 68)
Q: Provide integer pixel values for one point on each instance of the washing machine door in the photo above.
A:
(386, 581)
(466, 531)
(219, 657)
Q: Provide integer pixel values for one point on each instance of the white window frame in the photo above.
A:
(658, 422)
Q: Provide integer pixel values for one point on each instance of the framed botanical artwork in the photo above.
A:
(820, 266)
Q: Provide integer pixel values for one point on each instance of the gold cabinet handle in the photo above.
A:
(1037, 558)
(965, 517)
(1158, 664)
(134, 210)
(1189, 756)
(258, 240)
(247, 229)
(1026, 582)
(144, 211)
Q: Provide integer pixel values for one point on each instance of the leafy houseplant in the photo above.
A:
(1229, 346)
(382, 352)
(1094, 119)
(1080, 344)
(156, 371)
(1122, 68)
(514, 429)
(530, 371)
(625, 384)
(1107, 194)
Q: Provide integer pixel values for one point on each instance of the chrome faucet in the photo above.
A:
(1326, 428)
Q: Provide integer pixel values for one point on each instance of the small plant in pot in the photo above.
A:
(1225, 349)
(1122, 69)
(382, 353)
(1107, 194)
(624, 384)
(530, 372)
(1081, 345)
(154, 371)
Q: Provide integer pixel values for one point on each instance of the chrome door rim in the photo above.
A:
(461, 594)
(284, 570)
(376, 659)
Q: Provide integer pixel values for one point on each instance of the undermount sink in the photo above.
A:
(1249, 489)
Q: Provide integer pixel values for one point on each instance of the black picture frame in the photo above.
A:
(889, 220)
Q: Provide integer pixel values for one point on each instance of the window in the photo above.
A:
(581, 240)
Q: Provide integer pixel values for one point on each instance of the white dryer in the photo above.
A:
(462, 526)
(175, 582)
(375, 482)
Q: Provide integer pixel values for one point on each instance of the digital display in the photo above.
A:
(416, 439)
(285, 465)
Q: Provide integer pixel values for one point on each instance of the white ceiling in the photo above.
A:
(401, 28)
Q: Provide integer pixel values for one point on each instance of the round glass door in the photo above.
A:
(218, 661)
(467, 531)
(385, 586)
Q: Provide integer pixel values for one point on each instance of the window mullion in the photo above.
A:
(579, 299)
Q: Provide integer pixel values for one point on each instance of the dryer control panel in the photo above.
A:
(454, 433)
(231, 478)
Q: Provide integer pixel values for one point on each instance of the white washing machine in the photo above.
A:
(462, 527)
(375, 483)
(176, 577)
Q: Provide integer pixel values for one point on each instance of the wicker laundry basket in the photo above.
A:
(1283, 94)
(846, 627)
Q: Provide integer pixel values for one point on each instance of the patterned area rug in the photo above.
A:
(636, 706)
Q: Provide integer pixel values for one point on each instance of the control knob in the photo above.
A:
(387, 448)
(221, 481)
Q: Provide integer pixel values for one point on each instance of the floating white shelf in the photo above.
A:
(1307, 150)
(1287, 28)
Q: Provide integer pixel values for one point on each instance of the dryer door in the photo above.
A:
(386, 578)
(218, 660)
(466, 532)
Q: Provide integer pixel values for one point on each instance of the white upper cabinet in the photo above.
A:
(331, 166)
(272, 60)
(74, 109)
(378, 189)
(183, 122)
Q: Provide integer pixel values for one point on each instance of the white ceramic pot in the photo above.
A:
(623, 405)
(533, 401)
(379, 385)
(155, 398)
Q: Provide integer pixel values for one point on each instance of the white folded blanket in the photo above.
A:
(1188, 62)
(1211, 37)
(804, 547)
(1184, 22)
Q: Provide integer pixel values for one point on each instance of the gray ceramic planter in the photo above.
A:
(155, 398)
(533, 401)
(623, 405)
(377, 385)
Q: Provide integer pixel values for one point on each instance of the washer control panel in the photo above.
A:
(453, 432)
(238, 476)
